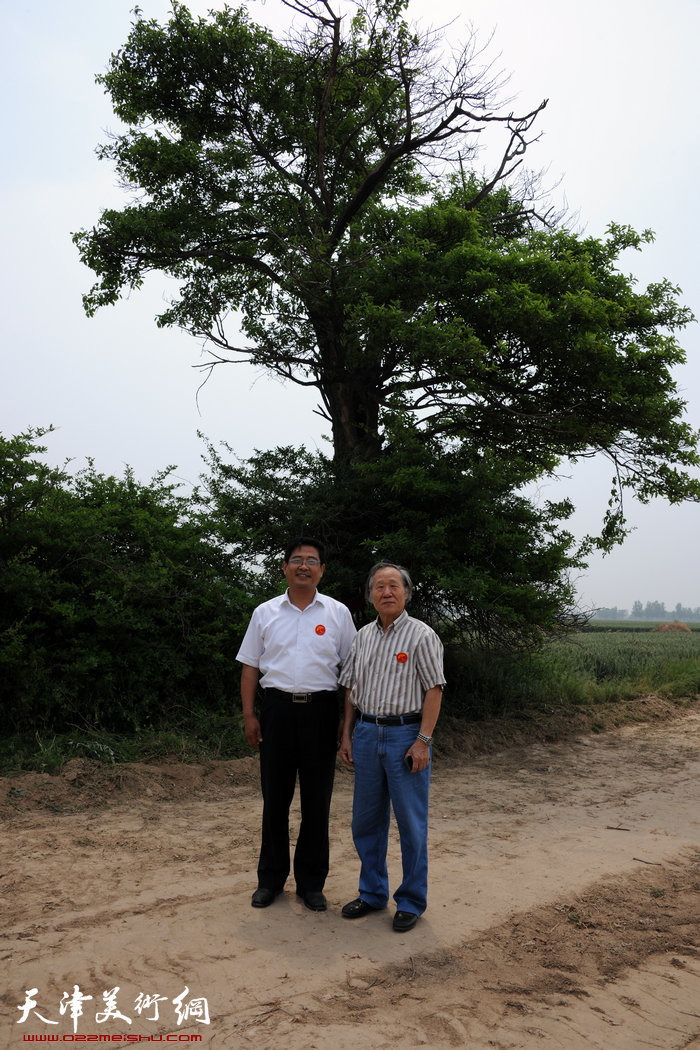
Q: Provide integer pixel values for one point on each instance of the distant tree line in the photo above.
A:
(651, 611)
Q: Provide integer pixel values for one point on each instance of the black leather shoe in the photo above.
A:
(263, 897)
(356, 909)
(404, 920)
(313, 899)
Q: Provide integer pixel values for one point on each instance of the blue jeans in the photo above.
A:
(382, 781)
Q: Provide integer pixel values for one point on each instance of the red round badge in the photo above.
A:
(402, 657)
(320, 629)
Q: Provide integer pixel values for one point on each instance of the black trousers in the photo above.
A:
(299, 740)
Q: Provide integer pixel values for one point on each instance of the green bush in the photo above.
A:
(120, 609)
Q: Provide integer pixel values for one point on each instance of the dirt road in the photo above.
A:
(564, 909)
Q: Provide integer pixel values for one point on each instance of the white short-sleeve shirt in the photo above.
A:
(298, 650)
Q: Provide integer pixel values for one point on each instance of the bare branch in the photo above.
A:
(310, 10)
(323, 111)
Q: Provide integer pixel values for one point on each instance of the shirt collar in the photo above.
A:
(317, 599)
(400, 619)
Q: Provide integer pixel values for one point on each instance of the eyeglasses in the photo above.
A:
(313, 563)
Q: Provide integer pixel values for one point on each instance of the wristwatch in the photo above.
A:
(426, 739)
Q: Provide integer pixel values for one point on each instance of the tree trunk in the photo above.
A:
(353, 406)
(350, 383)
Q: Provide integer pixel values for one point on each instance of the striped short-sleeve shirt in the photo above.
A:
(389, 672)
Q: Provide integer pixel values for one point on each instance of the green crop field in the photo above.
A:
(578, 669)
(630, 661)
(598, 626)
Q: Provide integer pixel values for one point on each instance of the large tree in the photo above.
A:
(262, 169)
(318, 193)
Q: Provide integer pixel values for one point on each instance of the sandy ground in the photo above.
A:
(564, 908)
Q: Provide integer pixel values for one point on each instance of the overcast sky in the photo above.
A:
(620, 131)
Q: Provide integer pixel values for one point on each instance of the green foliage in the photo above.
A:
(530, 344)
(625, 626)
(462, 340)
(482, 684)
(122, 605)
(259, 166)
(488, 565)
(118, 604)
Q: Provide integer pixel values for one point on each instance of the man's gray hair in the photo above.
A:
(407, 583)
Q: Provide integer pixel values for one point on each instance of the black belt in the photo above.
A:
(303, 698)
(392, 720)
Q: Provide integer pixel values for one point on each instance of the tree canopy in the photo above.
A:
(488, 564)
(320, 194)
(268, 174)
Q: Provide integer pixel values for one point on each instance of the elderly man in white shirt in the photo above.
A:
(293, 648)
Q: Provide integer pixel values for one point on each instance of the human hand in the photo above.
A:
(420, 756)
(345, 751)
(253, 732)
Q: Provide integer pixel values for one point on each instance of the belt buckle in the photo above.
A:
(382, 720)
(301, 698)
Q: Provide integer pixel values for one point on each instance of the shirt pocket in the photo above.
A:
(402, 662)
(323, 645)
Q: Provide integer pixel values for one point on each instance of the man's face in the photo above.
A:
(303, 569)
(388, 593)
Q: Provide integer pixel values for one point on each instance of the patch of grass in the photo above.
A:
(200, 737)
(588, 680)
(591, 679)
(484, 685)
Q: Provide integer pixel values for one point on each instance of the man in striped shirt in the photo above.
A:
(393, 679)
